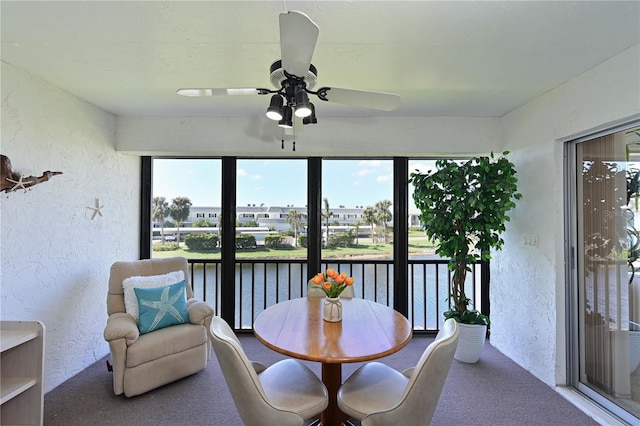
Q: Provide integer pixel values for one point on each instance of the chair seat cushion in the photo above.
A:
(166, 341)
(292, 386)
(371, 388)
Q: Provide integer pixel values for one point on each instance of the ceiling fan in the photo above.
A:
(294, 77)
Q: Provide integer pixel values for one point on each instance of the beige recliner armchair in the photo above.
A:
(144, 361)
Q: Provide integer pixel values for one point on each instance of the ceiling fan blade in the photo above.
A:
(361, 98)
(222, 91)
(298, 36)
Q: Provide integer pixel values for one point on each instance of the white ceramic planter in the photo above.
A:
(332, 309)
(470, 342)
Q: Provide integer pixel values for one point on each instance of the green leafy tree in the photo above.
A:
(160, 210)
(463, 207)
(179, 211)
(201, 223)
(295, 219)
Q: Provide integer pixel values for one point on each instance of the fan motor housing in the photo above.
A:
(277, 75)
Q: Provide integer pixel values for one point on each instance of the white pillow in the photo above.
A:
(149, 281)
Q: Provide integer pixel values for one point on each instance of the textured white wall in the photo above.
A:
(55, 259)
(357, 136)
(528, 283)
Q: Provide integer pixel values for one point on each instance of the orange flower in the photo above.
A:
(332, 282)
(332, 273)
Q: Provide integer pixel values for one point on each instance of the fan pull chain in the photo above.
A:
(294, 146)
(282, 143)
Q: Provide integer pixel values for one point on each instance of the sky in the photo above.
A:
(275, 182)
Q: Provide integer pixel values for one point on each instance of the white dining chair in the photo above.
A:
(285, 393)
(377, 395)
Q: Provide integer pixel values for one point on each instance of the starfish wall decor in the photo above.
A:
(96, 210)
(11, 181)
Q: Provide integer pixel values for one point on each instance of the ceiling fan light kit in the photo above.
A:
(294, 77)
(311, 119)
(275, 110)
(303, 109)
(287, 119)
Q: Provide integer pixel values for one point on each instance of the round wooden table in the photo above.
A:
(368, 330)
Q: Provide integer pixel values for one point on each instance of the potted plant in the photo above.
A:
(463, 208)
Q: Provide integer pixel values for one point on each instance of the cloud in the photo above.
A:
(362, 172)
(256, 177)
(384, 178)
(368, 167)
(241, 172)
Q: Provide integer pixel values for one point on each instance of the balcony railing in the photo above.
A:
(262, 283)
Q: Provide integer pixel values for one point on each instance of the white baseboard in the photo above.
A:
(588, 407)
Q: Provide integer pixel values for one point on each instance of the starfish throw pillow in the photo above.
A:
(162, 307)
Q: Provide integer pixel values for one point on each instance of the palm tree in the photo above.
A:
(327, 214)
(369, 218)
(179, 211)
(357, 226)
(383, 215)
(159, 211)
(295, 219)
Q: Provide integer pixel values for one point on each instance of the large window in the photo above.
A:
(271, 208)
(256, 230)
(357, 200)
(186, 207)
(357, 221)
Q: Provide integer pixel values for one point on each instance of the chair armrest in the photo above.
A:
(199, 312)
(121, 326)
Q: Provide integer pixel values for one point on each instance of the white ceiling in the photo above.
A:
(447, 58)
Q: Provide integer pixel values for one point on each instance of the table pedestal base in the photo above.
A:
(332, 379)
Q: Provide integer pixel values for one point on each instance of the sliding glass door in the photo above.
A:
(606, 314)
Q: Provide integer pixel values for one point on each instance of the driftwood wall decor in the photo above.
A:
(11, 181)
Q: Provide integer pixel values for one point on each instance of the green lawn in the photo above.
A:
(415, 246)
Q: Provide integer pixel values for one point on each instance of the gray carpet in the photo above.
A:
(495, 392)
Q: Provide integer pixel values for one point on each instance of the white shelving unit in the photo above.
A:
(22, 372)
